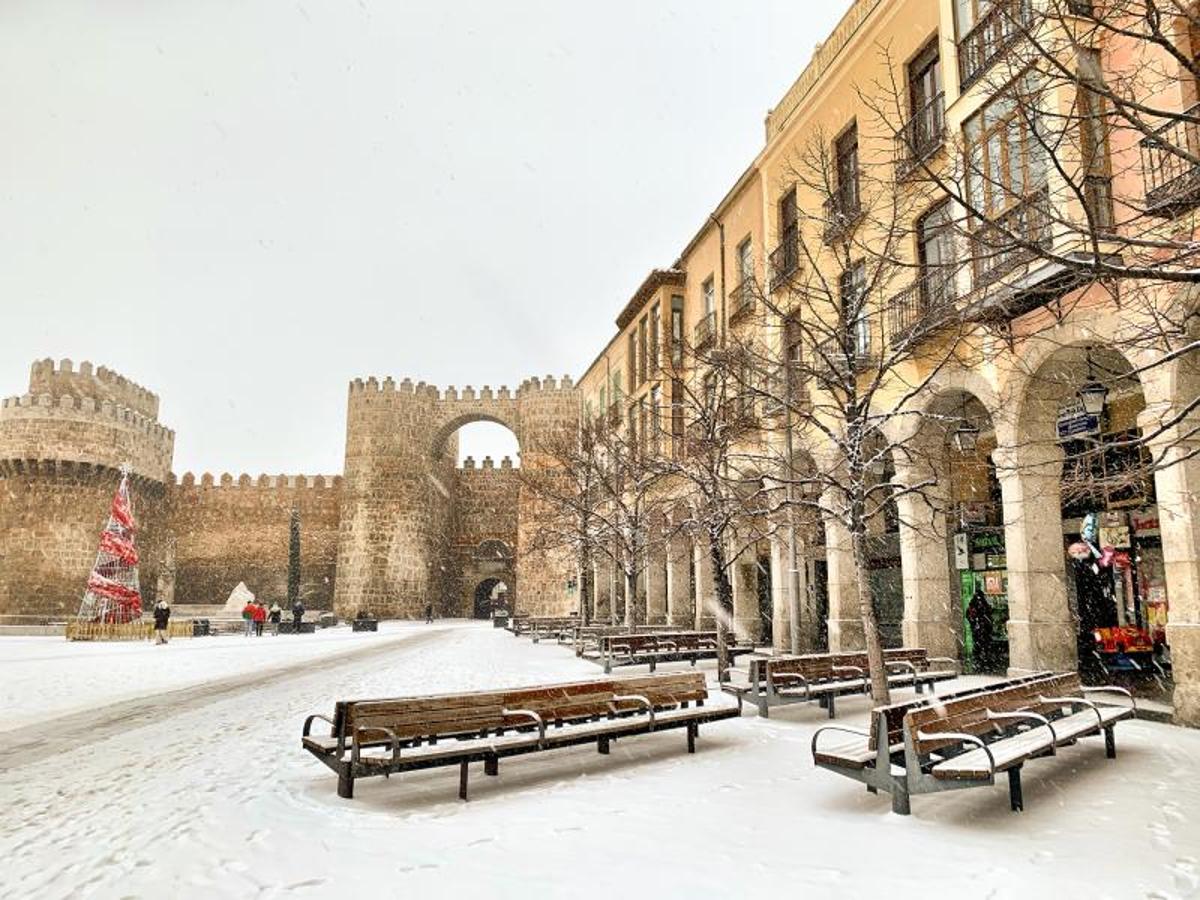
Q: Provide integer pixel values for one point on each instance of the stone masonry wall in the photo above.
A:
(230, 530)
(485, 509)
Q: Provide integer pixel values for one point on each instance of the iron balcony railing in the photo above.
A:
(843, 209)
(922, 135)
(992, 35)
(1171, 175)
(832, 358)
(785, 258)
(705, 331)
(922, 302)
(1002, 244)
(741, 299)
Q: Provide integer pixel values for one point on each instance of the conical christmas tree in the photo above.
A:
(112, 593)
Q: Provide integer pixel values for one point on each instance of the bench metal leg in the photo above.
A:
(491, 765)
(653, 664)
(832, 706)
(871, 789)
(346, 784)
(462, 780)
(900, 802)
(1110, 743)
(764, 711)
(920, 685)
(602, 746)
(1014, 789)
(691, 736)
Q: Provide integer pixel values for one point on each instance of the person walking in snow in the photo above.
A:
(276, 616)
(428, 613)
(260, 616)
(248, 617)
(162, 615)
(297, 615)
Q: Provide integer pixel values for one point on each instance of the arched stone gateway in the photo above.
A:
(412, 521)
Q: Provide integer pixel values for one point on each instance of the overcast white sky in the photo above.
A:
(244, 205)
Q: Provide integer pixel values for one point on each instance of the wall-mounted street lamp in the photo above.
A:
(1092, 394)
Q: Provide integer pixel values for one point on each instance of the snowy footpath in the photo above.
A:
(136, 771)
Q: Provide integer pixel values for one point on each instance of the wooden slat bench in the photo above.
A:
(823, 677)
(966, 739)
(651, 649)
(585, 638)
(379, 737)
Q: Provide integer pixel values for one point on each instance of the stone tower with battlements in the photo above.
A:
(62, 445)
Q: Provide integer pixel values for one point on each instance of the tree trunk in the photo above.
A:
(724, 610)
(585, 584)
(866, 608)
(630, 596)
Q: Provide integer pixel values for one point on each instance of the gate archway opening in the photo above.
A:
(490, 594)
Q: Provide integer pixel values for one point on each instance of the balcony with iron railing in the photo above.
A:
(705, 331)
(832, 358)
(843, 209)
(1011, 239)
(922, 304)
(922, 136)
(1171, 164)
(991, 36)
(741, 299)
(785, 258)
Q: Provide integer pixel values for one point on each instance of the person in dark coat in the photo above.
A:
(162, 616)
(979, 616)
(297, 615)
(275, 616)
(428, 613)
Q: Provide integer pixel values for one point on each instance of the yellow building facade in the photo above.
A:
(914, 85)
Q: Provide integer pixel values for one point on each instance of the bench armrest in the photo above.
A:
(1073, 702)
(664, 644)
(532, 716)
(636, 698)
(901, 664)
(849, 729)
(1112, 689)
(772, 680)
(308, 724)
(855, 669)
(355, 750)
(963, 738)
(954, 663)
(1025, 717)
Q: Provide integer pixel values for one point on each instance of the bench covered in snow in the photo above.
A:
(586, 638)
(966, 739)
(379, 737)
(663, 646)
(780, 680)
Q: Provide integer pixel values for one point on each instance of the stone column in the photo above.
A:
(602, 587)
(706, 593)
(1177, 485)
(930, 602)
(781, 618)
(845, 623)
(680, 610)
(656, 587)
(1041, 628)
(744, 574)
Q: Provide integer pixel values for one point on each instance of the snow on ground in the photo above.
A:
(213, 796)
(45, 677)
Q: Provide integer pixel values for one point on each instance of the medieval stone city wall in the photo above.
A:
(227, 530)
(399, 530)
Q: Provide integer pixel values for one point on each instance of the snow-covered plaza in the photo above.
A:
(135, 770)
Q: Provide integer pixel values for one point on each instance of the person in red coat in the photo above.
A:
(260, 616)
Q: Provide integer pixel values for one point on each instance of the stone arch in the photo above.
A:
(443, 432)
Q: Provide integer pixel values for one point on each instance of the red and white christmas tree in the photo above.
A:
(112, 593)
